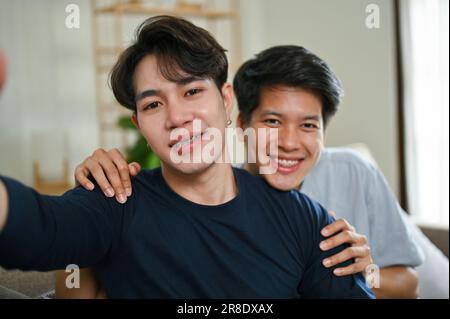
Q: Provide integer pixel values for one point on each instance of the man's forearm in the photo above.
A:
(3, 205)
(397, 283)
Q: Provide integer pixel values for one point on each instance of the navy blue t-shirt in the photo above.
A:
(262, 244)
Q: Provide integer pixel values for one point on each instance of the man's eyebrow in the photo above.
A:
(312, 117)
(305, 118)
(152, 92)
(189, 79)
(272, 113)
(147, 93)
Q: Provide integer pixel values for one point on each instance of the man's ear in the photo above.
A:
(134, 120)
(228, 98)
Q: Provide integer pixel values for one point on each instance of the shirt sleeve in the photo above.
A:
(50, 232)
(390, 237)
(318, 281)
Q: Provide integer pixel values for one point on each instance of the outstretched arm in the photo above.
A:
(40, 232)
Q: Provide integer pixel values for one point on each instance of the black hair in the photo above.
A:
(180, 48)
(292, 66)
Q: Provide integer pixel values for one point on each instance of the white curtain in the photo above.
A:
(425, 50)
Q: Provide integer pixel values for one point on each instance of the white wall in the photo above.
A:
(49, 91)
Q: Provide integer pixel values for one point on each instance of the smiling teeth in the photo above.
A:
(187, 142)
(286, 163)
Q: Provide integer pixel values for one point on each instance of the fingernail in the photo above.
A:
(128, 191)
(323, 245)
(327, 262)
(109, 192)
(337, 272)
(90, 186)
(121, 198)
(324, 232)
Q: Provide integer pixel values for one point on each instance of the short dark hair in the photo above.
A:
(293, 66)
(179, 46)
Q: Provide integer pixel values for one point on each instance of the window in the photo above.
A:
(424, 26)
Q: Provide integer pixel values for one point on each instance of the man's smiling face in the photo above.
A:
(297, 114)
(163, 106)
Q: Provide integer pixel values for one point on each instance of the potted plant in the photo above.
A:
(139, 152)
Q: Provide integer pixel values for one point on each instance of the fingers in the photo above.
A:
(97, 172)
(359, 266)
(124, 172)
(352, 269)
(109, 168)
(358, 252)
(344, 237)
(337, 226)
(134, 168)
(81, 178)
(111, 172)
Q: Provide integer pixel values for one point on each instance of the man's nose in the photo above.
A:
(178, 115)
(288, 139)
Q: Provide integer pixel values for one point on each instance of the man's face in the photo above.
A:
(297, 114)
(163, 106)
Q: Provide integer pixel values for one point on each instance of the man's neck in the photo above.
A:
(215, 185)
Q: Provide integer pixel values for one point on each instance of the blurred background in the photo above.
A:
(392, 57)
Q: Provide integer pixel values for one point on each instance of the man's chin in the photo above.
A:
(190, 168)
(282, 182)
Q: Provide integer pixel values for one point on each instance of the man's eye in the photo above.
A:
(152, 105)
(310, 126)
(193, 92)
(272, 122)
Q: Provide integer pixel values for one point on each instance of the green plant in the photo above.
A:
(139, 152)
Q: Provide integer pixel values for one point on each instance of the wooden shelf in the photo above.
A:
(180, 10)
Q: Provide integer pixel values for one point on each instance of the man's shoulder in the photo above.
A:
(347, 156)
(341, 160)
(259, 189)
(310, 208)
(148, 178)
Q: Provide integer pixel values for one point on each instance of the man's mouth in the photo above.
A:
(187, 144)
(286, 165)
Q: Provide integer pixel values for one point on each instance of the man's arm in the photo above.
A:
(319, 282)
(40, 232)
(394, 250)
(90, 286)
(398, 283)
(3, 205)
